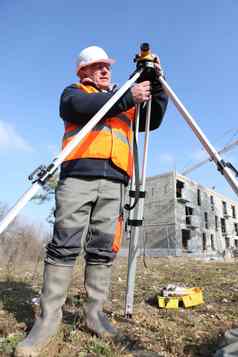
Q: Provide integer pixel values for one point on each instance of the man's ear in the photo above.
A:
(81, 74)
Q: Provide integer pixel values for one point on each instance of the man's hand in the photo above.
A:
(141, 92)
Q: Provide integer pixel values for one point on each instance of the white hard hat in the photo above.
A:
(90, 55)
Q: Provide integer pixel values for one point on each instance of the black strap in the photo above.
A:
(221, 164)
(232, 167)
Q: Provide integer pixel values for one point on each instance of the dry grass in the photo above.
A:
(151, 332)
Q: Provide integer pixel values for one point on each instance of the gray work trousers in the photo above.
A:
(89, 214)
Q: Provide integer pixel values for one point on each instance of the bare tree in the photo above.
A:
(21, 242)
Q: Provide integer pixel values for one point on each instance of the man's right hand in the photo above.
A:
(141, 92)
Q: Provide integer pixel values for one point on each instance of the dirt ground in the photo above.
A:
(152, 331)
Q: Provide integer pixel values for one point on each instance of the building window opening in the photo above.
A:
(206, 220)
(188, 213)
(216, 223)
(233, 209)
(227, 243)
(212, 242)
(186, 235)
(223, 225)
(212, 203)
(236, 243)
(179, 188)
(224, 207)
(236, 228)
(204, 242)
(199, 197)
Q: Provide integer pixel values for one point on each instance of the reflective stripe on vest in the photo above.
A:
(111, 138)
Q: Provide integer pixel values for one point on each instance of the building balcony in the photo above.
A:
(183, 199)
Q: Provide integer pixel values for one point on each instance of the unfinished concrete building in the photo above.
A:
(183, 217)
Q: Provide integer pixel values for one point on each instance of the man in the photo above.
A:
(90, 193)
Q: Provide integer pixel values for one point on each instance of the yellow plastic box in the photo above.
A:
(193, 297)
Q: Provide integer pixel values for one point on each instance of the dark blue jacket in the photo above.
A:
(79, 107)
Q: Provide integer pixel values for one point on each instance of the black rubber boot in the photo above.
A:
(97, 283)
(228, 351)
(56, 282)
(231, 336)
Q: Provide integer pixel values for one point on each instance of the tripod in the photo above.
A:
(135, 220)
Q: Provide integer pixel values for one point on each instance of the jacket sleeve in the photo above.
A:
(78, 106)
(158, 107)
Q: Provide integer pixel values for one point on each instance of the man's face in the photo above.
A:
(100, 73)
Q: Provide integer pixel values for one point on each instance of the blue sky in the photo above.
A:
(197, 44)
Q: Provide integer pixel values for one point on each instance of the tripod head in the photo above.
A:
(145, 60)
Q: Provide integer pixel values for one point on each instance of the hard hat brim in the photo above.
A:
(104, 60)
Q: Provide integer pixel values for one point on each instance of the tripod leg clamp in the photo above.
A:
(133, 193)
(135, 222)
(42, 173)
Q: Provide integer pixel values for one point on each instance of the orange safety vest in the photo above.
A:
(111, 138)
